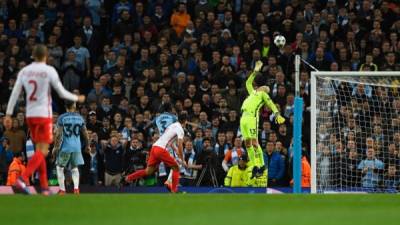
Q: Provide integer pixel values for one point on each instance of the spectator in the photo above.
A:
(371, 168)
(238, 175)
(16, 169)
(16, 137)
(275, 163)
(191, 171)
(180, 19)
(82, 55)
(6, 156)
(113, 160)
(135, 156)
(232, 155)
(391, 179)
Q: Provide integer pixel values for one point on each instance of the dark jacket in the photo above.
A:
(275, 164)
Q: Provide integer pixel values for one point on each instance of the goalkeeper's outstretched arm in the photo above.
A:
(250, 79)
(271, 105)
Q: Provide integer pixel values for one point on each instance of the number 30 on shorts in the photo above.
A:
(253, 131)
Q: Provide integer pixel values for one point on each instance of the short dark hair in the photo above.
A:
(39, 52)
(69, 104)
(182, 117)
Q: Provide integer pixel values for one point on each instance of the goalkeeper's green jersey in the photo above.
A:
(256, 99)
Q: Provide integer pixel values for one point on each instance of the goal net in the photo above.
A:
(355, 131)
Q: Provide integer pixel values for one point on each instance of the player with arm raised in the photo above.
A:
(67, 145)
(37, 79)
(159, 153)
(250, 118)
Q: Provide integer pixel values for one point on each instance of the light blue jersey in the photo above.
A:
(164, 120)
(72, 124)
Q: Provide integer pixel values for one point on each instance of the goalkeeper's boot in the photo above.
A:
(61, 192)
(76, 191)
(21, 186)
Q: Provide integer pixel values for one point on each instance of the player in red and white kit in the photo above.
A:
(37, 79)
(159, 153)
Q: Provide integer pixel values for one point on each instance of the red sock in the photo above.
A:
(33, 164)
(43, 175)
(175, 180)
(136, 175)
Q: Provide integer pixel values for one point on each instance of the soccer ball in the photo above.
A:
(280, 41)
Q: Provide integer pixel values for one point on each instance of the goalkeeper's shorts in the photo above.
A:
(249, 127)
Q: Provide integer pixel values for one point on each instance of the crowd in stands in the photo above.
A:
(129, 57)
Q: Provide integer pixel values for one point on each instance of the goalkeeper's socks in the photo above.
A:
(251, 154)
(136, 175)
(260, 156)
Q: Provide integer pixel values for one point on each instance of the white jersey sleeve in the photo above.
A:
(57, 85)
(37, 79)
(14, 95)
(174, 131)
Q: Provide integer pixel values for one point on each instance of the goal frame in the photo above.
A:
(313, 108)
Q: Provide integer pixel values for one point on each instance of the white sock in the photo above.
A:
(75, 177)
(170, 176)
(61, 178)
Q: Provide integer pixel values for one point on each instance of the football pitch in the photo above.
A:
(198, 209)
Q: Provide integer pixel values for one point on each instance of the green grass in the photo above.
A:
(198, 209)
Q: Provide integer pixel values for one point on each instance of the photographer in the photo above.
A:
(208, 160)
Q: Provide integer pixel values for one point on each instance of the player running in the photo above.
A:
(258, 97)
(37, 80)
(159, 153)
(67, 145)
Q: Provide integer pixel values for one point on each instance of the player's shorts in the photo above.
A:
(74, 159)
(41, 129)
(158, 155)
(249, 127)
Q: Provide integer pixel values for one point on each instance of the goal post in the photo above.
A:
(355, 131)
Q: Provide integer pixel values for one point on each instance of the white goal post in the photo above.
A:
(355, 131)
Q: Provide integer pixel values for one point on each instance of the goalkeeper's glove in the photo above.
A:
(258, 66)
(279, 119)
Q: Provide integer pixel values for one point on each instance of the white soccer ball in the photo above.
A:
(279, 41)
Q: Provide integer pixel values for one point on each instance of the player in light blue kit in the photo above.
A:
(67, 145)
(165, 119)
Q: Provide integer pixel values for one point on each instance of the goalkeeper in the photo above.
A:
(251, 106)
